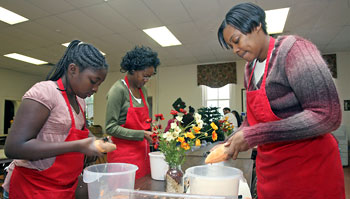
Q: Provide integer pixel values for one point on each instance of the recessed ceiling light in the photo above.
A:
(276, 19)
(10, 17)
(162, 36)
(67, 44)
(25, 59)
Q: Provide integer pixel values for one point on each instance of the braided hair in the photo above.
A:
(83, 55)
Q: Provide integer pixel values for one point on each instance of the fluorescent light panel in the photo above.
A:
(10, 17)
(67, 44)
(276, 19)
(162, 36)
(25, 58)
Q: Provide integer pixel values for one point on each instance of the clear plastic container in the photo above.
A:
(104, 179)
(136, 194)
(213, 180)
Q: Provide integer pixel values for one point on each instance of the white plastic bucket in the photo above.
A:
(214, 180)
(158, 165)
(104, 179)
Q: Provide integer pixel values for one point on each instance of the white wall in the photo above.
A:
(342, 83)
(13, 86)
(169, 84)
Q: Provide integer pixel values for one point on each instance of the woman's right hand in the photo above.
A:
(88, 147)
(148, 136)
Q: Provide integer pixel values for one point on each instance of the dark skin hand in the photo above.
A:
(148, 136)
(21, 143)
(236, 144)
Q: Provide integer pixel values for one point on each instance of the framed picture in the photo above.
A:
(244, 100)
(346, 105)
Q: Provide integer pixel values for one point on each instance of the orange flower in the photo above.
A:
(213, 125)
(185, 146)
(190, 135)
(181, 139)
(196, 129)
(214, 136)
(198, 142)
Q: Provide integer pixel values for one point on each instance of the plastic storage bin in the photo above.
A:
(104, 179)
(158, 165)
(214, 180)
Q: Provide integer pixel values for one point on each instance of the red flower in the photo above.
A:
(183, 111)
(159, 116)
(173, 112)
(149, 120)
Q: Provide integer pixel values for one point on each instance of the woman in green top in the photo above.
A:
(127, 110)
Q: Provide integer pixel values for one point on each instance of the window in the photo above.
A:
(216, 97)
(89, 110)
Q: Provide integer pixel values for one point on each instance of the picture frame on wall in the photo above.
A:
(346, 105)
(244, 100)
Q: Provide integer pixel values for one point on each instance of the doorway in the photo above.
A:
(9, 115)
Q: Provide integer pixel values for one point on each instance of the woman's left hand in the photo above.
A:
(236, 144)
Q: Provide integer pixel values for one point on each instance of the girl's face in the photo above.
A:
(85, 83)
(141, 77)
(245, 46)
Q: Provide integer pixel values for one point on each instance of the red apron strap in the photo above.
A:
(271, 44)
(130, 99)
(64, 93)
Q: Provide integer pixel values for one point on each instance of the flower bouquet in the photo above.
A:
(183, 134)
(226, 127)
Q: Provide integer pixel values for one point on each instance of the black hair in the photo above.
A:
(244, 17)
(238, 117)
(186, 120)
(83, 55)
(191, 110)
(227, 109)
(138, 59)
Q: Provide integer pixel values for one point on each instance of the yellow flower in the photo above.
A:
(214, 136)
(189, 135)
(226, 118)
(213, 125)
(196, 129)
(181, 139)
(185, 146)
(198, 142)
(205, 134)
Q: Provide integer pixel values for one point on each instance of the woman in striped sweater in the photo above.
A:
(292, 106)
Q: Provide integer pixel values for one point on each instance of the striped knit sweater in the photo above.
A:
(301, 92)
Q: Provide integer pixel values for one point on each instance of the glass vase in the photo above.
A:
(174, 180)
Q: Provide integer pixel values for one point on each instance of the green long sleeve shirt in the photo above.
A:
(118, 103)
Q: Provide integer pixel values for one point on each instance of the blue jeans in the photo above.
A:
(5, 195)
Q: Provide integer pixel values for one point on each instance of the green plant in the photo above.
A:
(209, 115)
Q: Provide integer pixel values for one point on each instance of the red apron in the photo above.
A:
(130, 151)
(303, 169)
(59, 180)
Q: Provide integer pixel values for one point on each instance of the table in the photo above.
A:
(197, 157)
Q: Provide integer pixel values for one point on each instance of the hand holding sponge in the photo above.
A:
(105, 145)
(219, 154)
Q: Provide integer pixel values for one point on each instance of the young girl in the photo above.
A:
(49, 138)
(127, 110)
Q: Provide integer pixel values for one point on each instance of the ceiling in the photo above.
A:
(115, 26)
